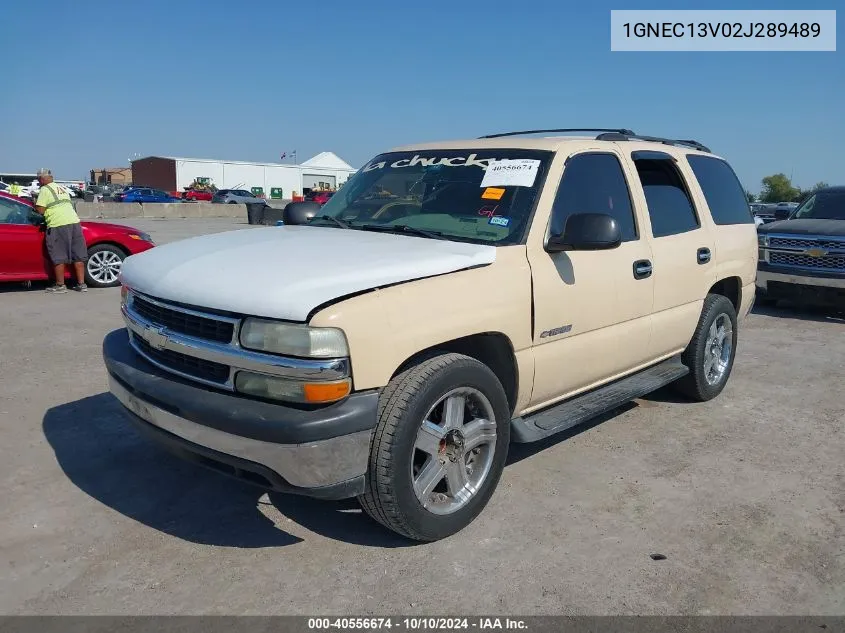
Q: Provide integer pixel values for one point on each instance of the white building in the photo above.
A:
(170, 173)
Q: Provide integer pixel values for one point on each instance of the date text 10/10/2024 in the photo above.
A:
(415, 624)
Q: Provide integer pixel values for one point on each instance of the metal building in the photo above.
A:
(169, 173)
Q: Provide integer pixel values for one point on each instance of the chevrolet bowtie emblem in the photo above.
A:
(815, 252)
(156, 337)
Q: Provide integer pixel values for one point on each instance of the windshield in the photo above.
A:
(825, 205)
(468, 195)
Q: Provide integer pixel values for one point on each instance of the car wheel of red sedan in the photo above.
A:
(103, 265)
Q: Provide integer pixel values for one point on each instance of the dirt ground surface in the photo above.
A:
(744, 496)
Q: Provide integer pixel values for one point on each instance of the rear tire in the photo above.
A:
(434, 437)
(711, 352)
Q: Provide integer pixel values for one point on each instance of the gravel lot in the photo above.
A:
(743, 495)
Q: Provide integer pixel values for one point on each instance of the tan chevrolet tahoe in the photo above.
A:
(450, 299)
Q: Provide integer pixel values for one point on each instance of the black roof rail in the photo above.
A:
(620, 136)
(580, 129)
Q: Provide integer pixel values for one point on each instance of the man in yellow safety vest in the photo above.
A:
(64, 239)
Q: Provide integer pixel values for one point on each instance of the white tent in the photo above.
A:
(327, 160)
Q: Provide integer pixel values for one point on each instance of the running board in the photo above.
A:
(586, 406)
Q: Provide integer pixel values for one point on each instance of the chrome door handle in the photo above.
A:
(642, 269)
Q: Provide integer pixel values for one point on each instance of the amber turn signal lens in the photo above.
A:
(325, 391)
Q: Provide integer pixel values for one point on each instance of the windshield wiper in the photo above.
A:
(331, 218)
(404, 228)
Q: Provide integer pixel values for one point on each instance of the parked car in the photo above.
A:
(196, 195)
(782, 210)
(320, 197)
(501, 292)
(235, 196)
(23, 255)
(802, 258)
(146, 195)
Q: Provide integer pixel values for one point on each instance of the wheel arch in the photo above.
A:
(493, 349)
(729, 287)
(108, 242)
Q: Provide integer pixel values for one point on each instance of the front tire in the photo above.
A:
(103, 265)
(711, 352)
(438, 449)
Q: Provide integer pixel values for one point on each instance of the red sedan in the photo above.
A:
(199, 196)
(23, 256)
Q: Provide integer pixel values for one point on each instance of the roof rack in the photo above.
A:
(584, 129)
(622, 136)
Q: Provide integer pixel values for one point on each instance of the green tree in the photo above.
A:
(778, 188)
(750, 197)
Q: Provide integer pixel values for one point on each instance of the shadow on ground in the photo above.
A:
(101, 452)
(785, 310)
(23, 286)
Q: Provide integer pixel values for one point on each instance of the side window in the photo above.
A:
(670, 207)
(722, 190)
(594, 183)
(13, 213)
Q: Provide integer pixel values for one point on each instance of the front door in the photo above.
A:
(22, 254)
(592, 308)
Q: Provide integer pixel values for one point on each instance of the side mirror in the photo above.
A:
(300, 212)
(36, 219)
(586, 232)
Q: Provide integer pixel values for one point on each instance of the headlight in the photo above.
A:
(144, 237)
(293, 340)
(762, 240)
(275, 388)
(124, 295)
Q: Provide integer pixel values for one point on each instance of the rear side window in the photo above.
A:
(670, 207)
(722, 190)
(594, 183)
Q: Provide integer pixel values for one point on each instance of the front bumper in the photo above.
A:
(803, 286)
(319, 452)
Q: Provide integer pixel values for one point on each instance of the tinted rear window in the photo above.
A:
(670, 207)
(722, 190)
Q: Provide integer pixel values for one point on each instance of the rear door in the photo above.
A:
(22, 254)
(683, 248)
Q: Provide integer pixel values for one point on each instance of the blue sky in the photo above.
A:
(249, 80)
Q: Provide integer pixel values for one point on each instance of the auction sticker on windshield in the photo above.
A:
(493, 193)
(511, 173)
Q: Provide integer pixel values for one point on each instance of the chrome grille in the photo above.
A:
(186, 322)
(828, 262)
(202, 345)
(790, 242)
(189, 365)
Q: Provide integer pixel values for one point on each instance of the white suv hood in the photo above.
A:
(286, 272)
